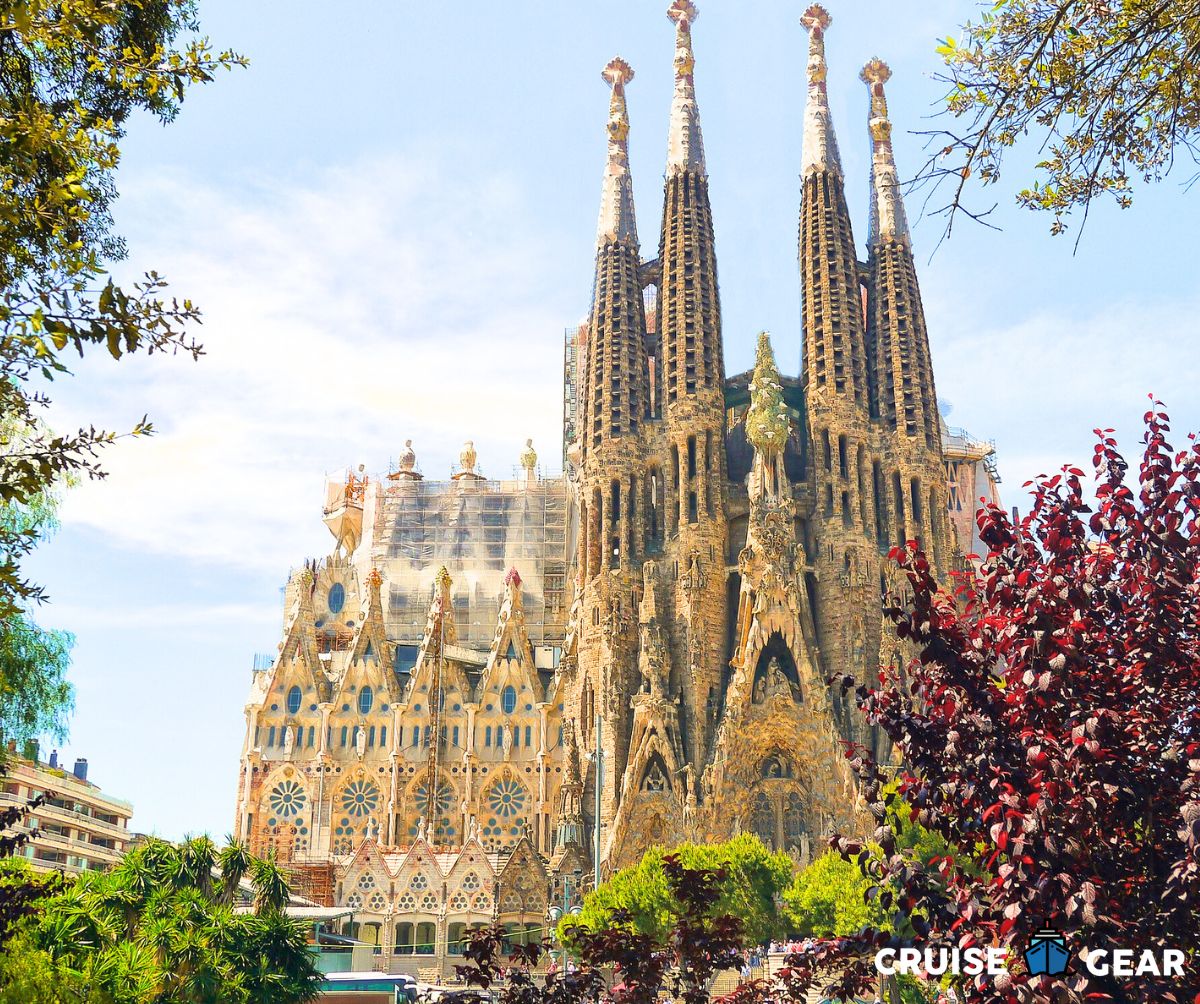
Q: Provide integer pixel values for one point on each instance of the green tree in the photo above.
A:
(830, 896)
(753, 878)
(71, 73)
(1103, 92)
(168, 925)
(35, 696)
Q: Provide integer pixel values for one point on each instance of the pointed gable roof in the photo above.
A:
(511, 648)
(440, 636)
(369, 652)
(299, 645)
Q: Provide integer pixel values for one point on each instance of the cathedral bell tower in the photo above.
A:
(613, 462)
(914, 508)
(690, 450)
(838, 388)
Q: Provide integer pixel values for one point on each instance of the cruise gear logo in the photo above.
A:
(1047, 955)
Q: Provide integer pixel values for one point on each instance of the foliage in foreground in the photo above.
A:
(1103, 91)
(619, 962)
(168, 924)
(752, 879)
(71, 74)
(1051, 736)
(831, 897)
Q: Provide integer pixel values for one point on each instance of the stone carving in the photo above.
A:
(507, 741)
(360, 739)
(289, 740)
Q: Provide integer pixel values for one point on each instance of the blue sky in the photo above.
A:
(389, 219)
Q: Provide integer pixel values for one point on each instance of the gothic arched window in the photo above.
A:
(294, 697)
(762, 819)
(366, 697)
(508, 700)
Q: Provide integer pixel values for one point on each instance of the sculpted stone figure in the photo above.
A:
(289, 740)
(507, 740)
(360, 739)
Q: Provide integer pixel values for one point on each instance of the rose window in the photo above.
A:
(507, 798)
(360, 797)
(287, 799)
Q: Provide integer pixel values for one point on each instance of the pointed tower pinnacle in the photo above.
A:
(888, 221)
(685, 145)
(617, 221)
(820, 145)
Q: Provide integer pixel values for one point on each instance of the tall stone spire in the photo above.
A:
(617, 222)
(685, 145)
(835, 367)
(900, 341)
(613, 399)
(887, 206)
(614, 386)
(820, 151)
(691, 447)
(906, 398)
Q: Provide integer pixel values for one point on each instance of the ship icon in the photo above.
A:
(1047, 954)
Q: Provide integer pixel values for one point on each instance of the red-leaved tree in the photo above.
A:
(1050, 733)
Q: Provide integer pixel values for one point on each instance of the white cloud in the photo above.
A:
(1042, 382)
(342, 315)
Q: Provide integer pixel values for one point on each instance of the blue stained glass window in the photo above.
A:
(528, 733)
(271, 736)
(382, 735)
(426, 735)
(508, 700)
(371, 737)
(344, 735)
(311, 734)
(365, 699)
(487, 736)
(455, 735)
(416, 735)
(337, 598)
(512, 651)
(294, 697)
(360, 797)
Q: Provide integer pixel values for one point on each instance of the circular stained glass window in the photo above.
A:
(365, 699)
(506, 798)
(287, 799)
(337, 598)
(360, 798)
(294, 697)
(443, 799)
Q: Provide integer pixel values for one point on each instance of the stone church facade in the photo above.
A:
(487, 680)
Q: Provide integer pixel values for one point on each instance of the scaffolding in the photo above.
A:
(478, 529)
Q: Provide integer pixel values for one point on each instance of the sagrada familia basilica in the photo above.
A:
(492, 690)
